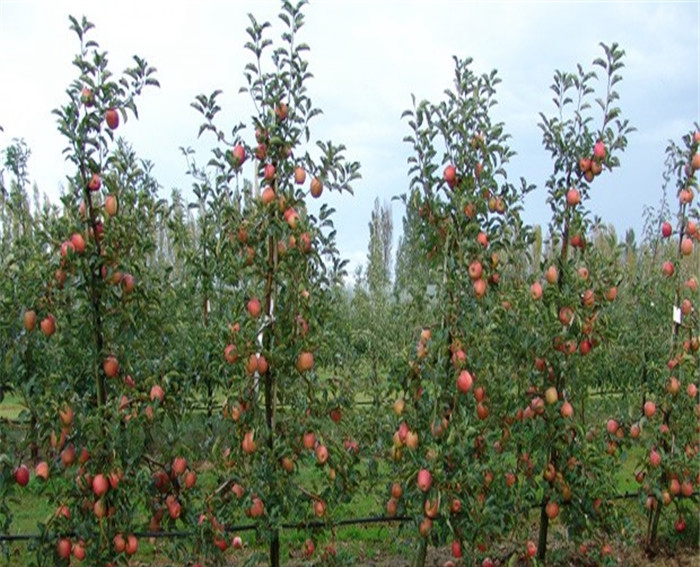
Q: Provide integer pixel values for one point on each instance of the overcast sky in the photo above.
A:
(367, 57)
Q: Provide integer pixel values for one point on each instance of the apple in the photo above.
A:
(551, 275)
(248, 444)
(551, 395)
(300, 176)
(64, 548)
(67, 248)
(95, 182)
(119, 543)
(695, 162)
(268, 195)
(425, 480)
(536, 291)
(254, 308)
(552, 509)
(566, 315)
(584, 164)
(29, 320)
(257, 508)
(305, 361)
(573, 197)
(567, 410)
(21, 475)
(112, 118)
(132, 544)
(686, 246)
(596, 168)
(269, 172)
(157, 393)
(238, 155)
(654, 458)
(456, 549)
(281, 111)
(425, 526)
(79, 550)
(100, 485)
(87, 97)
(464, 381)
(599, 149)
(531, 548)
(666, 229)
(482, 239)
(110, 365)
(667, 269)
(692, 390)
(179, 466)
(679, 524)
(450, 175)
(78, 242)
(475, 270)
(111, 206)
(237, 542)
(322, 454)
(316, 187)
(480, 288)
(649, 409)
(399, 406)
(42, 470)
(611, 426)
(309, 548)
(319, 508)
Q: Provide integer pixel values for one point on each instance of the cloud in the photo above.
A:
(367, 59)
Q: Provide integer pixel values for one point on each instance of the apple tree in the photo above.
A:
(446, 429)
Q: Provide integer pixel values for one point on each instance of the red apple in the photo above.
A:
(450, 175)
(254, 308)
(599, 149)
(29, 319)
(464, 381)
(425, 480)
(112, 118)
(305, 361)
(21, 475)
(110, 365)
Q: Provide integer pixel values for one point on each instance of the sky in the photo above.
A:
(367, 58)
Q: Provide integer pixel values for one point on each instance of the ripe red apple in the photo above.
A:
(425, 480)
(536, 291)
(268, 195)
(67, 248)
(667, 269)
(450, 175)
(566, 315)
(248, 444)
(573, 197)
(316, 187)
(79, 550)
(686, 246)
(112, 118)
(257, 508)
(300, 176)
(237, 542)
(666, 229)
(654, 458)
(42, 470)
(132, 544)
(100, 485)
(95, 182)
(482, 239)
(531, 548)
(319, 508)
(179, 465)
(157, 393)
(78, 242)
(305, 361)
(692, 390)
(480, 288)
(269, 172)
(552, 509)
(456, 549)
(475, 270)
(649, 409)
(254, 308)
(281, 111)
(679, 524)
(611, 426)
(238, 155)
(64, 548)
(322, 454)
(21, 475)
(110, 365)
(464, 381)
(551, 275)
(567, 410)
(599, 149)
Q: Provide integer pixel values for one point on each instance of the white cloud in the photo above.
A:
(367, 58)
